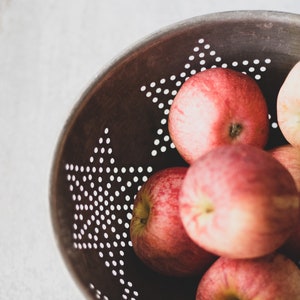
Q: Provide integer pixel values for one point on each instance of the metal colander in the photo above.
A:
(117, 136)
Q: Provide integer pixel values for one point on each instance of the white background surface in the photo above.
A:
(49, 52)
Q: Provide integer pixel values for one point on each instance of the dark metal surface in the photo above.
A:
(117, 136)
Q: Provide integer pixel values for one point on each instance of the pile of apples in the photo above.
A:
(232, 216)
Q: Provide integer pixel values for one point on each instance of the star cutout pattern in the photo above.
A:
(95, 224)
(163, 91)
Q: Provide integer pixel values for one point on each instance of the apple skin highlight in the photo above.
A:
(239, 202)
(157, 234)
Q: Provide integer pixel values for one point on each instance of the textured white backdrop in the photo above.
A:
(49, 52)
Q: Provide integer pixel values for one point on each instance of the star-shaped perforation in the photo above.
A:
(162, 92)
(96, 186)
(99, 192)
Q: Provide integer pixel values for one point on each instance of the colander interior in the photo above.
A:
(117, 136)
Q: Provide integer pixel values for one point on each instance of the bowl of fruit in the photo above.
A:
(177, 174)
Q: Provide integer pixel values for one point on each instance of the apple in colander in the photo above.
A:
(157, 234)
(272, 277)
(215, 107)
(288, 106)
(289, 156)
(238, 201)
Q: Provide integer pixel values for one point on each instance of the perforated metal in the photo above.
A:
(118, 136)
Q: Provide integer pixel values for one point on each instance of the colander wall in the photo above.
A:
(117, 136)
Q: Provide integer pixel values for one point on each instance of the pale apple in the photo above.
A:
(238, 201)
(272, 277)
(215, 107)
(289, 156)
(288, 106)
(157, 234)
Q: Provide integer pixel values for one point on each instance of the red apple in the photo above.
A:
(289, 156)
(291, 248)
(217, 107)
(156, 230)
(239, 202)
(272, 277)
(288, 106)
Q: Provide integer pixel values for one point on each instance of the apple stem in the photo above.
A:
(235, 130)
(143, 221)
(209, 209)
